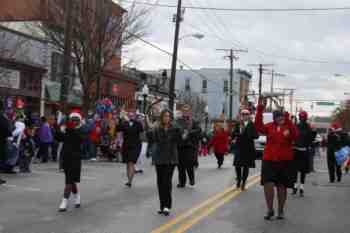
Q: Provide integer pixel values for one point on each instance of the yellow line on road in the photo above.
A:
(193, 210)
(210, 209)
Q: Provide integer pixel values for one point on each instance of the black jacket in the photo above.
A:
(306, 136)
(245, 148)
(71, 151)
(335, 141)
(131, 134)
(5, 132)
(166, 145)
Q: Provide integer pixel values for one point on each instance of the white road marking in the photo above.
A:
(61, 174)
(30, 189)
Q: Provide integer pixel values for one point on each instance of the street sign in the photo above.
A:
(325, 103)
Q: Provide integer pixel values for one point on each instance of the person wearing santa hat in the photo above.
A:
(243, 137)
(336, 140)
(71, 159)
(302, 154)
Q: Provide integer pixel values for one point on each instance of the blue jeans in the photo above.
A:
(92, 150)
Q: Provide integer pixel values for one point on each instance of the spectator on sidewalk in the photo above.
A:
(45, 140)
(5, 133)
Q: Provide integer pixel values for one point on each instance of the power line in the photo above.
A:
(244, 9)
(200, 75)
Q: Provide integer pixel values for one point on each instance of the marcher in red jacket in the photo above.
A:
(277, 169)
(220, 143)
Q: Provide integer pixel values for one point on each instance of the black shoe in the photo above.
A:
(270, 214)
(128, 184)
(160, 211)
(301, 192)
(281, 216)
(243, 186)
(10, 172)
(166, 212)
(139, 171)
(180, 186)
(295, 191)
(2, 181)
(238, 184)
(192, 182)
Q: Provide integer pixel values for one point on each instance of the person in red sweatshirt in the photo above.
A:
(220, 143)
(277, 169)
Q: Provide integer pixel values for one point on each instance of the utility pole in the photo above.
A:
(273, 75)
(174, 58)
(232, 57)
(261, 69)
(66, 70)
(291, 97)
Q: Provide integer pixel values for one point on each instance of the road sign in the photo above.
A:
(325, 103)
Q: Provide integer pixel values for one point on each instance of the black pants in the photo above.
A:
(164, 183)
(43, 152)
(333, 168)
(220, 157)
(242, 174)
(183, 168)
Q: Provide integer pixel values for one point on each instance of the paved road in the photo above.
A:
(29, 204)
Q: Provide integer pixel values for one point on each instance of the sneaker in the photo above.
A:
(76, 200)
(63, 205)
(166, 211)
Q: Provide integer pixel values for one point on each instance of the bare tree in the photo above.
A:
(100, 30)
(342, 115)
(193, 99)
(12, 47)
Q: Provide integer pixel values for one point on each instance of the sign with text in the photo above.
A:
(9, 78)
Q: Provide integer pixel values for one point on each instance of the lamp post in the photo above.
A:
(145, 93)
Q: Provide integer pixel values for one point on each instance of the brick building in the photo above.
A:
(114, 85)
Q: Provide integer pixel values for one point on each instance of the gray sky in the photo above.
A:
(270, 37)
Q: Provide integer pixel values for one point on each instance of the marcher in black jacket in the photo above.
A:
(336, 140)
(71, 160)
(302, 154)
(188, 152)
(165, 138)
(132, 144)
(243, 136)
(5, 132)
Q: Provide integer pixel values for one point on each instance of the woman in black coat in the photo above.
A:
(165, 138)
(243, 136)
(71, 160)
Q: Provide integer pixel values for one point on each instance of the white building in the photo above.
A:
(217, 100)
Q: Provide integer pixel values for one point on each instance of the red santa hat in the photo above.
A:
(76, 114)
(303, 114)
(336, 127)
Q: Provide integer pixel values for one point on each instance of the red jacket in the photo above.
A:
(278, 146)
(220, 142)
(95, 134)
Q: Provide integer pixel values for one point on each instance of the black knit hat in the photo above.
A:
(277, 114)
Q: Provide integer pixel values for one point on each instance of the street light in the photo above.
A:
(198, 36)
(145, 93)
